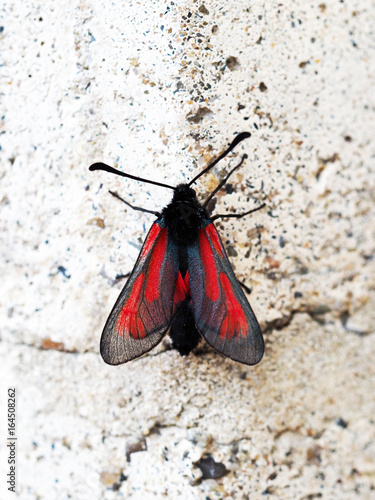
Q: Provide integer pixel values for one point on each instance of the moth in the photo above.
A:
(183, 282)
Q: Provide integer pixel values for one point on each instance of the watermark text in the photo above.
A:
(11, 440)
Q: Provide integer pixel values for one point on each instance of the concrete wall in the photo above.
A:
(158, 89)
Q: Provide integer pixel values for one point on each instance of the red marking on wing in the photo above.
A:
(128, 320)
(214, 237)
(182, 288)
(156, 261)
(153, 234)
(235, 322)
(187, 282)
(211, 284)
(140, 329)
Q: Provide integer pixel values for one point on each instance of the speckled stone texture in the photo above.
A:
(158, 89)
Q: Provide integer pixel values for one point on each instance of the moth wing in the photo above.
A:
(143, 312)
(221, 310)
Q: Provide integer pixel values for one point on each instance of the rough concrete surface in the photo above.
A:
(158, 89)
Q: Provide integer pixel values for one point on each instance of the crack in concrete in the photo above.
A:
(317, 313)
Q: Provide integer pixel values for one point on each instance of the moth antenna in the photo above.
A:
(239, 138)
(224, 181)
(111, 170)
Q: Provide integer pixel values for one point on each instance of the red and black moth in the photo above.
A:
(182, 282)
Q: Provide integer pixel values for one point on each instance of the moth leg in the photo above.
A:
(237, 216)
(120, 277)
(140, 209)
(246, 288)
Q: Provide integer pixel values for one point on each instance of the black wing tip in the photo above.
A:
(111, 360)
(259, 351)
(257, 360)
(247, 360)
(108, 356)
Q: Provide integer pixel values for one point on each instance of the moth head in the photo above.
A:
(184, 193)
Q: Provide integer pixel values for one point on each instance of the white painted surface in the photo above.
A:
(84, 82)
